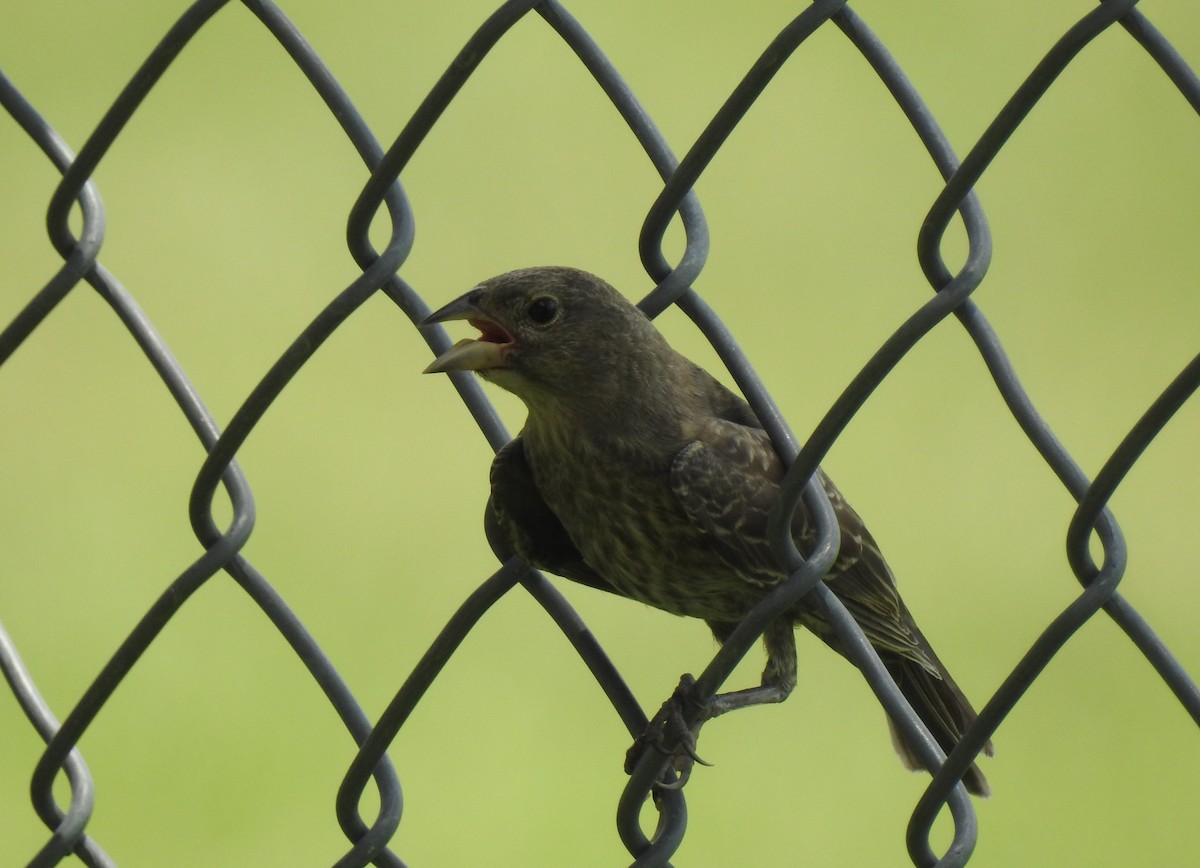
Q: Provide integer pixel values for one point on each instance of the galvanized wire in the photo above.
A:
(675, 284)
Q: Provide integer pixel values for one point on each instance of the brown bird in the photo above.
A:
(640, 474)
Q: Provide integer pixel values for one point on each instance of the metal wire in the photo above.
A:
(369, 838)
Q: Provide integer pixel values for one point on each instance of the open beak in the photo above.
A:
(471, 354)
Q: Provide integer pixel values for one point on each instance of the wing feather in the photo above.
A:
(727, 480)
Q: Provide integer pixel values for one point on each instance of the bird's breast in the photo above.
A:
(628, 525)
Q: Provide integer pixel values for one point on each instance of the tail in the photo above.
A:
(942, 707)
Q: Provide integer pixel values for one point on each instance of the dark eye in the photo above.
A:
(543, 309)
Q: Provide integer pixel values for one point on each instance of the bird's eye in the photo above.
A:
(543, 310)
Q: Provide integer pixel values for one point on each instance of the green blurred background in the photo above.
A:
(226, 202)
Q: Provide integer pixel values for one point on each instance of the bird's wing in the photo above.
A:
(518, 521)
(864, 582)
(727, 481)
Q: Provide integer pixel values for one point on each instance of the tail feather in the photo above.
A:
(943, 709)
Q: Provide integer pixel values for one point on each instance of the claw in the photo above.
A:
(670, 728)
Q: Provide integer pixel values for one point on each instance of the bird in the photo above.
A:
(638, 473)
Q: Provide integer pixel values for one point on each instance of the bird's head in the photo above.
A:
(550, 335)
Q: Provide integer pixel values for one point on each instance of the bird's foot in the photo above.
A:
(669, 735)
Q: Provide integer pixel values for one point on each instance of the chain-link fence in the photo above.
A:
(369, 802)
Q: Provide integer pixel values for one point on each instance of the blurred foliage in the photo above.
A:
(226, 202)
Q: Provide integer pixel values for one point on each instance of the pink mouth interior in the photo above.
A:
(491, 332)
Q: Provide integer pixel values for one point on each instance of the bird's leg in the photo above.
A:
(778, 678)
(669, 732)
